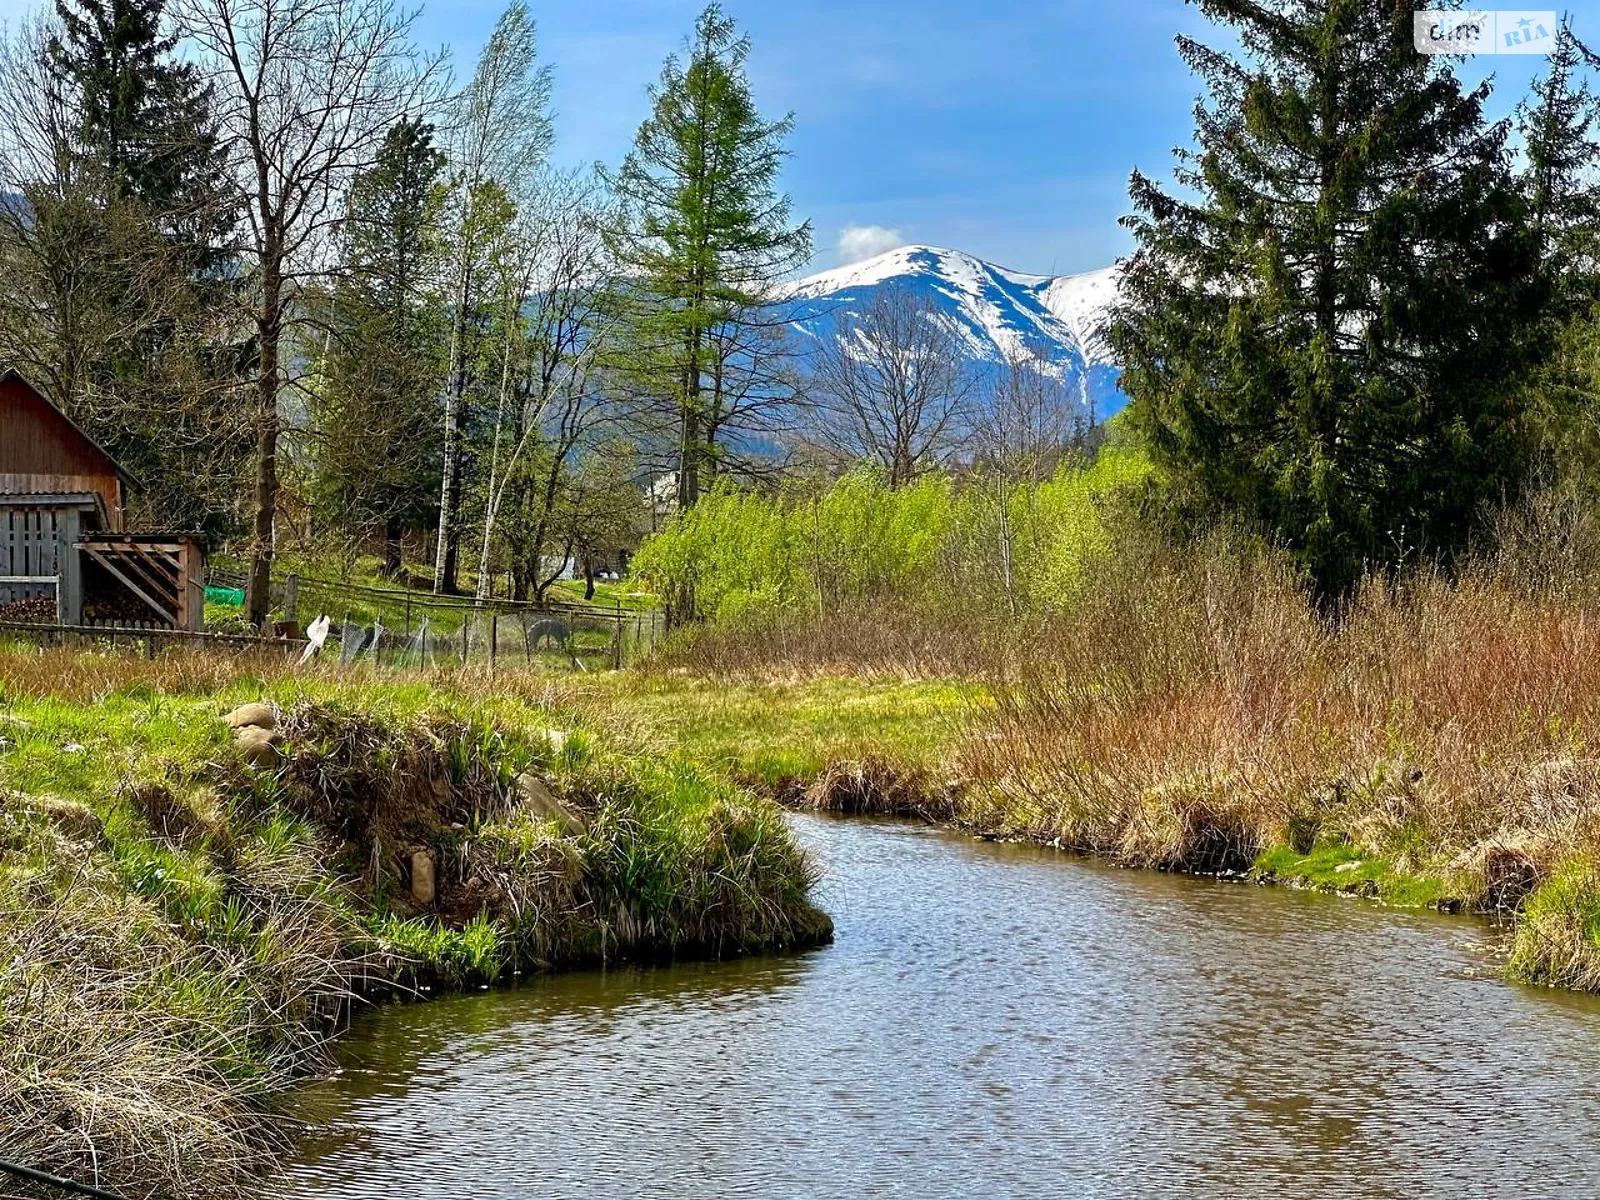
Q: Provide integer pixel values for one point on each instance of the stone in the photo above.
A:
(258, 746)
(260, 715)
(423, 885)
(539, 799)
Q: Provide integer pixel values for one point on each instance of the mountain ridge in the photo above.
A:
(998, 311)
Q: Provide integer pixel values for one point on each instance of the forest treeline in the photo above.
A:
(1360, 325)
(311, 290)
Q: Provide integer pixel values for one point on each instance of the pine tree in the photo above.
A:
(1324, 330)
(375, 414)
(130, 235)
(1559, 123)
(145, 127)
(704, 236)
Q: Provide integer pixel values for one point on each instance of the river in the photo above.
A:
(991, 1021)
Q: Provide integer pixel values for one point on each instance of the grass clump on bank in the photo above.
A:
(181, 933)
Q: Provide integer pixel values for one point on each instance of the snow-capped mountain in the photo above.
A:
(998, 312)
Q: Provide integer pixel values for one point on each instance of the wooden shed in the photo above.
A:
(62, 529)
(43, 453)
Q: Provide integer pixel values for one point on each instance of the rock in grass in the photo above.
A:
(423, 885)
(258, 746)
(540, 800)
(260, 715)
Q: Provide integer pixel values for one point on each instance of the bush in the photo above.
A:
(741, 556)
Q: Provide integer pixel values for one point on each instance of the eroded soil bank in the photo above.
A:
(187, 910)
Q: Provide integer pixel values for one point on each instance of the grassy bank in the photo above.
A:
(181, 932)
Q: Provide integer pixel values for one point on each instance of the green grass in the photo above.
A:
(777, 735)
(1345, 868)
(318, 589)
(1557, 937)
(154, 888)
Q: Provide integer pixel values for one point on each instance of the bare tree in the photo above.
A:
(305, 91)
(1029, 420)
(501, 134)
(553, 292)
(894, 386)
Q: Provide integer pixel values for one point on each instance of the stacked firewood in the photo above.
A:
(35, 608)
(117, 609)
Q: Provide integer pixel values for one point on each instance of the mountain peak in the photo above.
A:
(999, 312)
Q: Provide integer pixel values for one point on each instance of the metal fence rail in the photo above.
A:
(406, 630)
(151, 636)
(56, 1181)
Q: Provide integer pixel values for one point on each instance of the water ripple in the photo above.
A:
(992, 1021)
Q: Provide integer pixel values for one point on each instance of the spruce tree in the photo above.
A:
(703, 236)
(375, 412)
(1560, 123)
(145, 127)
(1324, 328)
(132, 236)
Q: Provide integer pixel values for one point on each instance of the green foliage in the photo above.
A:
(1329, 337)
(739, 552)
(703, 230)
(376, 407)
(1557, 939)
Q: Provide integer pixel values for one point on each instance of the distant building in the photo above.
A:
(64, 552)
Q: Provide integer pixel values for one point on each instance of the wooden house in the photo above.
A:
(63, 534)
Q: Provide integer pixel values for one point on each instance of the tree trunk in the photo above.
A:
(690, 432)
(446, 552)
(588, 579)
(258, 586)
(393, 550)
(491, 507)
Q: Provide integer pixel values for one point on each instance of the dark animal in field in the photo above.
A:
(550, 630)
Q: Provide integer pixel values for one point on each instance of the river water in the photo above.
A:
(991, 1021)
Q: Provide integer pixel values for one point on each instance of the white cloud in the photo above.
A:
(857, 242)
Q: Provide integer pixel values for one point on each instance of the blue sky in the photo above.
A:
(1005, 128)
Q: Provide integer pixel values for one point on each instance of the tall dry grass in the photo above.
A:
(1432, 717)
(884, 638)
(1190, 708)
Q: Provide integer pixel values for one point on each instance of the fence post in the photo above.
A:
(291, 596)
(616, 640)
(494, 641)
(465, 623)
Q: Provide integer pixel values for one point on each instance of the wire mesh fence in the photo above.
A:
(404, 628)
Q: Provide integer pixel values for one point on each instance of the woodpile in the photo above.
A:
(35, 609)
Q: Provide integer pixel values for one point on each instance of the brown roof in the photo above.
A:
(12, 375)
